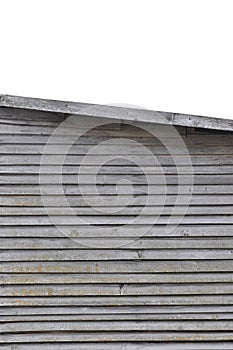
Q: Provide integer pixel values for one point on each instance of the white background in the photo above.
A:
(159, 54)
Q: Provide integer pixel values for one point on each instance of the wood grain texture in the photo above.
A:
(166, 289)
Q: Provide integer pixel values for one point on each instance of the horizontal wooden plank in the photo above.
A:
(38, 127)
(114, 169)
(18, 115)
(116, 289)
(134, 133)
(95, 311)
(118, 266)
(118, 300)
(26, 189)
(22, 179)
(90, 139)
(111, 220)
(140, 200)
(15, 279)
(113, 326)
(188, 179)
(86, 234)
(117, 149)
(115, 213)
(118, 160)
(76, 290)
(113, 254)
(119, 317)
(116, 337)
(145, 244)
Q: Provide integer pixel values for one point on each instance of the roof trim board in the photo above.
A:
(114, 112)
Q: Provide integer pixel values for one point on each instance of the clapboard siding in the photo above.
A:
(162, 290)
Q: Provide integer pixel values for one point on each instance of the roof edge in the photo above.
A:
(113, 112)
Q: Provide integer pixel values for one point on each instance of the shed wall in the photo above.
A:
(161, 290)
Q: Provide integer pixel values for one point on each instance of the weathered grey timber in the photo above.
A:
(122, 113)
(95, 290)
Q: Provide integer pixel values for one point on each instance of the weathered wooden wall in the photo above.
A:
(161, 291)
